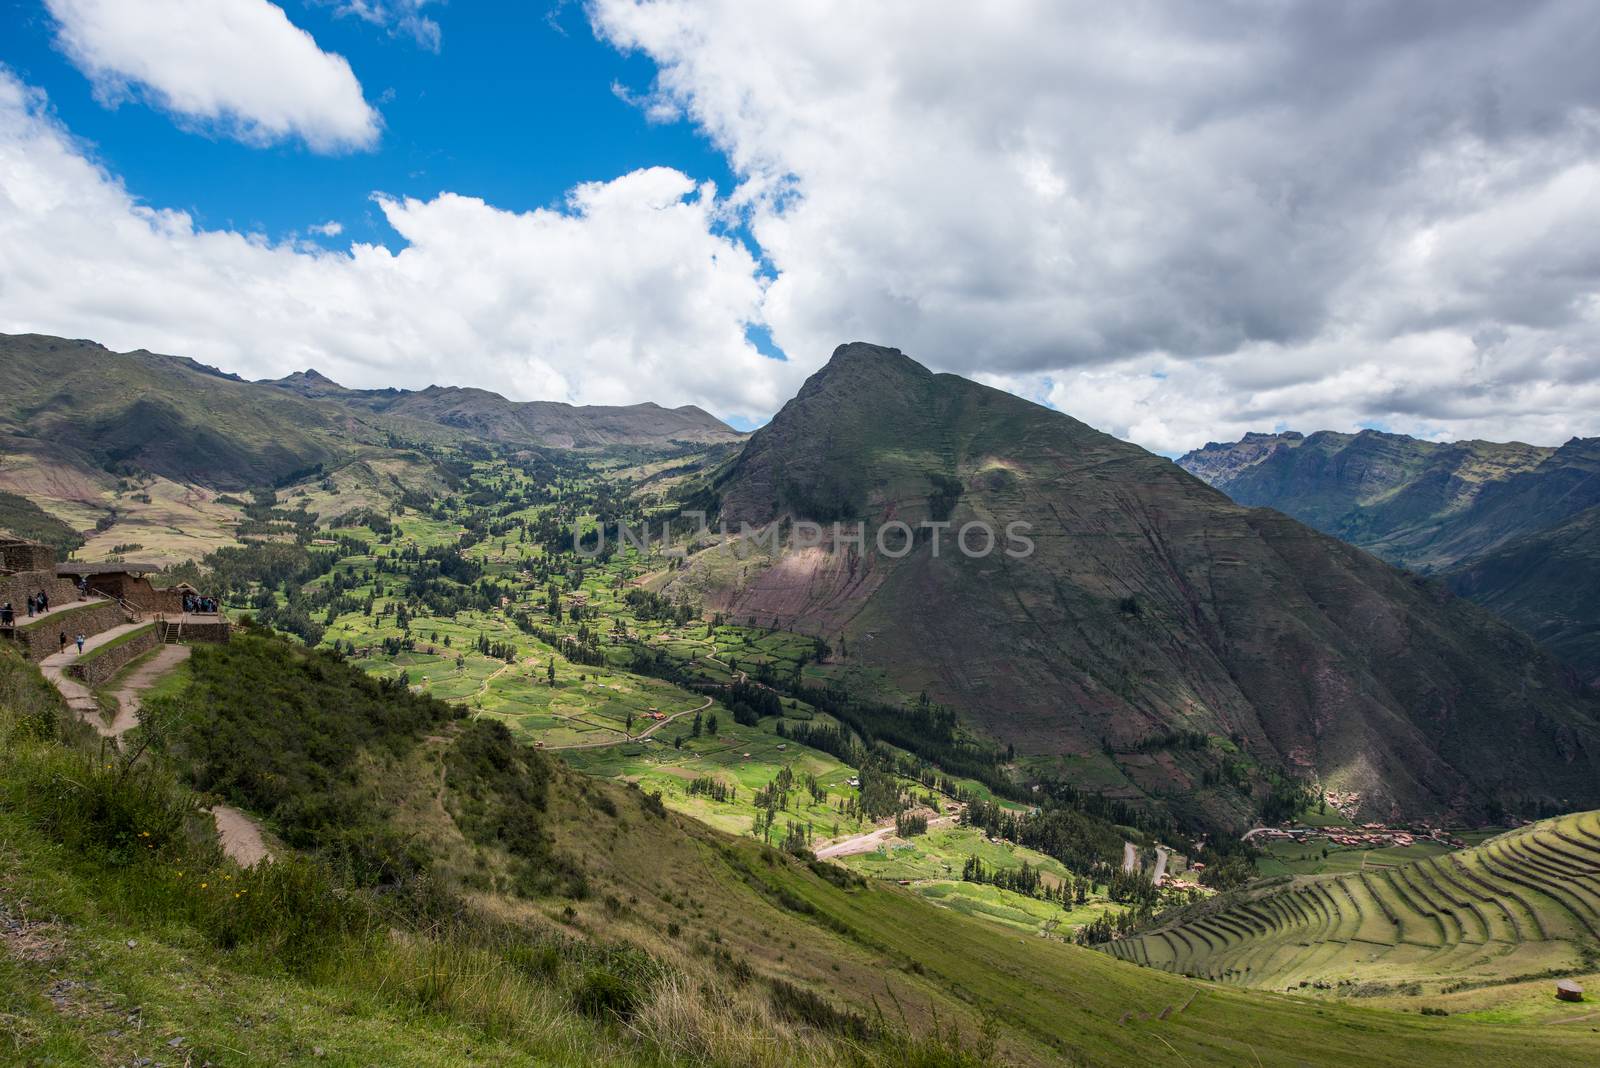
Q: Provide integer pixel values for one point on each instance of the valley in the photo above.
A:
(823, 763)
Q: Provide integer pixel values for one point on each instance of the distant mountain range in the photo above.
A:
(84, 405)
(1515, 527)
(491, 417)
(1153, 608)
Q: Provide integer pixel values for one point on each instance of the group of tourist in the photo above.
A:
(38, 605)
(195, 603)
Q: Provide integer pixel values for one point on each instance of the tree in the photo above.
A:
(711, 724)
(629, 730)
(550, 672)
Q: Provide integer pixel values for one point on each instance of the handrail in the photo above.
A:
(135, 613)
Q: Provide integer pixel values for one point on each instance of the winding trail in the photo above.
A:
(239, 835)
(79, 697)
(140, 679)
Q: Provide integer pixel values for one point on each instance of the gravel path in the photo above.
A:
(137, 682)
(871, 840)
(240, 835)
(78, 696)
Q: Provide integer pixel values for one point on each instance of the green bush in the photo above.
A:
(606, 995)
(291, 911)
(104, 811)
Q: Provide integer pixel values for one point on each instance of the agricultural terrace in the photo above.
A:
(1522, 905)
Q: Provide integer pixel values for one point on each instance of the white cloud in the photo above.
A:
(399, 17)
(331, 228)
(1295, 213)
(236, 66)
(625, 293)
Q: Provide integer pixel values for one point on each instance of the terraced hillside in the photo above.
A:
(1522, 904)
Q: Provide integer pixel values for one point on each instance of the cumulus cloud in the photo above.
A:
(1176, 222)
(239, 67)
(626, 292)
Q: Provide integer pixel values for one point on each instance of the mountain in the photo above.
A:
(1511, 526)
(491, 417)
(87, 407)
(1152, 611)
(1547, 583)
(1415, 503)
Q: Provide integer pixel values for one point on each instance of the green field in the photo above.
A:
(1524, 904)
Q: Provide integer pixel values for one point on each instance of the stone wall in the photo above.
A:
(44, 637)
(26, 556)
(137, 591)
(198, 632)
(19, 587)
(96, 668)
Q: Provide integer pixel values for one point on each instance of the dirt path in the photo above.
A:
(136, 683)
(647, 732)
(79, 698)
(869, 841)
(240, 836)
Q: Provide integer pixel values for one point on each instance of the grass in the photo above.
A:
(56, 616)
(691, 948)
(1305, 858)
(1523, 904)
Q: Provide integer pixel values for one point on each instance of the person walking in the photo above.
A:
(80, 645)
(31, 605)
(44, 602)
(63, 642)
(8, 616)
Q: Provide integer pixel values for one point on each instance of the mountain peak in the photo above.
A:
(862, 355)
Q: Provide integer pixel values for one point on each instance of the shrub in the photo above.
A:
(801, 1006)
(107, 812)
(536, 962)
(603, 994)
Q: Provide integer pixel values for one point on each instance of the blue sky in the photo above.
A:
(516, 107)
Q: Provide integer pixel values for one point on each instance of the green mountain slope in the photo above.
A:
(1547, 583)
(22, 518)
(1420, 504)
(491, 417)
(195, 425)
(1512, 525)
(398, 923)
(1151, 606)
(166, 415)
(1525, 904)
